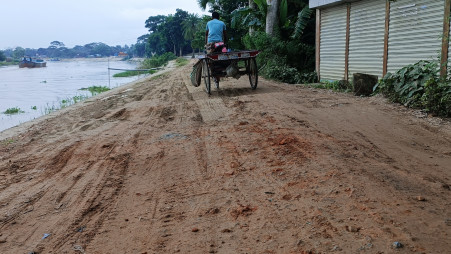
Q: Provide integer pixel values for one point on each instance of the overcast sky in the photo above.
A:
(36, 23)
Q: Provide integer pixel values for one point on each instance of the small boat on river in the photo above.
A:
(32, 63)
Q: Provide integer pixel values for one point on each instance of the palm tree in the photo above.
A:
(203, 3)
(190, 26)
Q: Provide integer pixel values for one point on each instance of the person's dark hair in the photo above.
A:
(215, 15)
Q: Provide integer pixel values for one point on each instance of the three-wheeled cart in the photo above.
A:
(212, 67)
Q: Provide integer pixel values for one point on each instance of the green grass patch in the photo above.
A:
(8, 141)
(132, 73)
(96, 89)
(339, 86)
(179, 62)
(72, 100)
(12, 111)
(159, 76)
(157, 61)
(8, 63)
(64, 103)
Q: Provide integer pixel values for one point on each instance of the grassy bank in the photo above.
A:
(157, 61)
(152, 63)
(8, 63)
(94, 90)
(179, 62)
(132, 73)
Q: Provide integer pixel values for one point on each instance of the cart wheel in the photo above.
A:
(206, 75)
(253, 73)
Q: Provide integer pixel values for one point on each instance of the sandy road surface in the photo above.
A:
(160, 167)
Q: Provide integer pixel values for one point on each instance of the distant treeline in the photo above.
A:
(59, 50)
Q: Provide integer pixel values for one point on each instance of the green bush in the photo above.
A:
(282, 73)
(288, 61)
(418, 86)
(406, 86)
(157, 61)
(2, 56)
(436, 98)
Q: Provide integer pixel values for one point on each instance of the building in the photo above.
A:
(378, 36)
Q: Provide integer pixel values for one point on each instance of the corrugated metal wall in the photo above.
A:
(333, 42)
(415, 32)
(366, 41)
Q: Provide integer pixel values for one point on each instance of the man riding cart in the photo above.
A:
(220, 62)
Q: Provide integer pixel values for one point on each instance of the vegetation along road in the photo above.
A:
(161, 167)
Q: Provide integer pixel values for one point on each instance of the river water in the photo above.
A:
(36, 90)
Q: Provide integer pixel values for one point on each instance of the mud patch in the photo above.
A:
(122, 114)
(168, 113)
(242, 211)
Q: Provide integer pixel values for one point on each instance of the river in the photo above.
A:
(37, 90)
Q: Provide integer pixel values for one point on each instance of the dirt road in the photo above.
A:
(160, 167)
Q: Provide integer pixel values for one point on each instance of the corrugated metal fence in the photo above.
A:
(366, 41)
(415, 33)
(333, 42)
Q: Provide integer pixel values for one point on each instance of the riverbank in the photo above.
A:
(5, 134)
(36, 91)
(3, 64)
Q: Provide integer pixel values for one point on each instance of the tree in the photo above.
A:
(56, 44)
(166, 33)
(190, 27)
(174, 27)
(203, 3)
(18, 52)
(157, 44)
(272, 16)
(140, 46)
(2, 56)
(249, 16)
(101, 49)
(154, 22)
(252, 6)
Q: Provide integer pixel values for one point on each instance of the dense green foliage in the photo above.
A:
(418, 86)
(167, 33)
(288, 61)
(157, 61)
(58, 50)
(2, 56)
(287, 55)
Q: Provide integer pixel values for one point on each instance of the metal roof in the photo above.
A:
(326, 3)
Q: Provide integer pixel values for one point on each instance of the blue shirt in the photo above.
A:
(215, 29)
